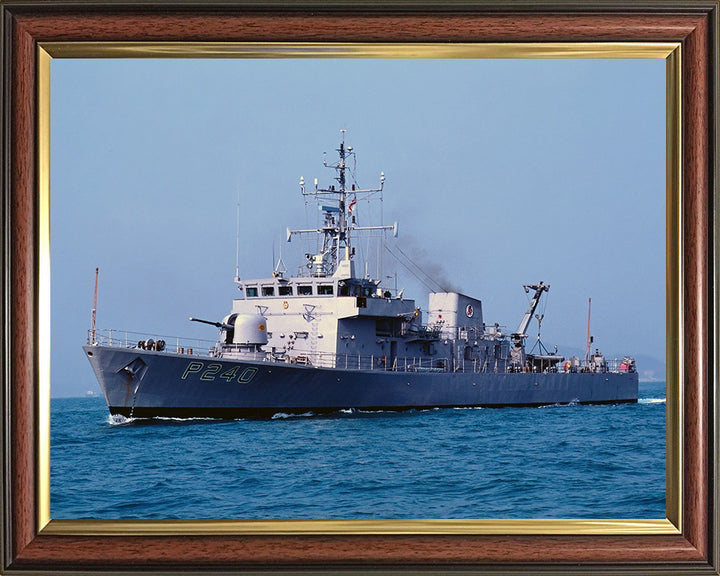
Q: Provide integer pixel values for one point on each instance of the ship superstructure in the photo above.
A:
(328, 338)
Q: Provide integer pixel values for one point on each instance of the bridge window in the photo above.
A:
(304, 290)
(268, 290)
(324, 290)
(251, 291)
(285, 290)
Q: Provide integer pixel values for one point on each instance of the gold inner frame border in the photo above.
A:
(671, 52)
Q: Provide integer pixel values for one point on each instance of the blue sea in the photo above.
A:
(569, 461)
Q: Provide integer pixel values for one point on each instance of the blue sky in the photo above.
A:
(499, 172)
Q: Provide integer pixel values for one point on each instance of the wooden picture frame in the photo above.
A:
(687, 542)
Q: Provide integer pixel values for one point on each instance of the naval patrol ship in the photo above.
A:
(330, 338)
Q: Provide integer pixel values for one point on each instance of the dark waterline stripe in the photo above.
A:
(268, 412)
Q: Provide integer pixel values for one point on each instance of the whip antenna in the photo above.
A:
(237, 241)
(589, 338)
(94, 309)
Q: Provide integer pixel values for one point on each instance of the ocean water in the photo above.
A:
(568, 461)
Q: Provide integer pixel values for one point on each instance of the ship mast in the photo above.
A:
(333, 243)
(336, 248)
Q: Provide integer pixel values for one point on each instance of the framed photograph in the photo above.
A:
(40, 35)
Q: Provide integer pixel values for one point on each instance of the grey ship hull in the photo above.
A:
(143, 384)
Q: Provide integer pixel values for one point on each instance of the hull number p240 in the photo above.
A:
(214, 370)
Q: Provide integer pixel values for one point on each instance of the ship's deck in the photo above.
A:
(212, 349)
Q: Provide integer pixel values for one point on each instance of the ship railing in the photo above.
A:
(424, 364)
(157, 342)
(370, 362)
(399, 364)
(613, 366)
(429, 365)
